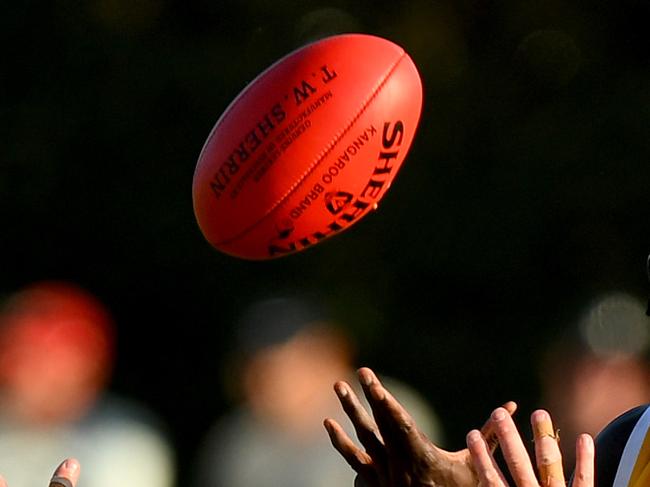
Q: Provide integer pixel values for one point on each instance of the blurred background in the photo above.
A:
(524, 197)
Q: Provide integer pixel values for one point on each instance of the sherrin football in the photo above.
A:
(308, 148)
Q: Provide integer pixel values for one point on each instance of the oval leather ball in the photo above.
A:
(308, 148)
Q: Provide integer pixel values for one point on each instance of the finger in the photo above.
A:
(513, 449)
(396, 425)
(486, 468)
(488, 431)
(358, 459)
(3, 482)
(364, 426)
(66, 474)
(547, 449)
(584, 472)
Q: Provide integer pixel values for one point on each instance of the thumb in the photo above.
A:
(66, 474)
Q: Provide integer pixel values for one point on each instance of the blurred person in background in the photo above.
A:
(289, 351)
(56, 357)
(600, 368)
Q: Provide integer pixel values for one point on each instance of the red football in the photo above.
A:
(307, 148)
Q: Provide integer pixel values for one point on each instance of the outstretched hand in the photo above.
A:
(547, 454)
(65, 475)
(395, 452)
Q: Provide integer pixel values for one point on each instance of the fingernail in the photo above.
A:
(586, 441)
(540, 415)
(473, 436)
(365, 378)
(542, 425)
(499, 414)
(341, 390)
(71, 466)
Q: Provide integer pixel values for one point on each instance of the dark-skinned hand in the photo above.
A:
(394, 452)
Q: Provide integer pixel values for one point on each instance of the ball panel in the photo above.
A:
(258, 133)
(313, 148)
(350, 181)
